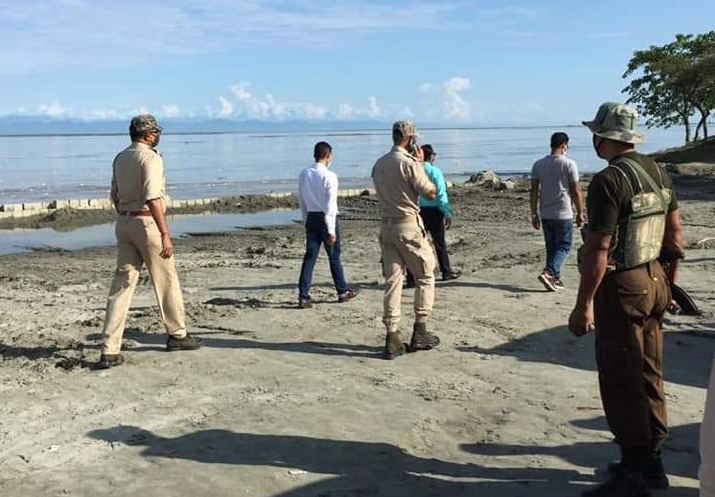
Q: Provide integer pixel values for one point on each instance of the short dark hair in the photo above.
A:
(558, 139)
(322, 150)
(427, 150)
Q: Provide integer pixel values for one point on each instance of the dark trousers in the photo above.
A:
(433, 219)
(316, 234)
(628, 308)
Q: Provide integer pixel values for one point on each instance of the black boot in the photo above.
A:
(394, 345)
(653, 472)
(624, 483)
(422, 339)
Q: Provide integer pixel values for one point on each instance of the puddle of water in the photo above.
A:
(18, 241)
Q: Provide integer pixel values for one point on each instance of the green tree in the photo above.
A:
(673, 82)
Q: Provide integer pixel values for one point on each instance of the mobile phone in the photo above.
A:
(414, 145)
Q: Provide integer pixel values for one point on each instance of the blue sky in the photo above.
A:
(451, 61)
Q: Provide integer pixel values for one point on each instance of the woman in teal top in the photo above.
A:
(437, 216)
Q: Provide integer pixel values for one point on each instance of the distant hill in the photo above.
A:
(700, 151)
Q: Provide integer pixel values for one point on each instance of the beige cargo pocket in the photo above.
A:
(418, 252)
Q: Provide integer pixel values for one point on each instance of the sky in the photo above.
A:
(447, 62)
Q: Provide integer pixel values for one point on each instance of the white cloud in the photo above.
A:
(371, 111)
(102, 114)
(53, 109)
(313, 111)
(226, 107)
(249, 106)
(451, 101)
(170, 110)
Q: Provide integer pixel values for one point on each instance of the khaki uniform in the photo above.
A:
(137, 177)
(707, 441)
(399, 179)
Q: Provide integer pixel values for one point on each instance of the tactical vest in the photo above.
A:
(639, 235)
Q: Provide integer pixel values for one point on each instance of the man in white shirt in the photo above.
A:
(318, 199)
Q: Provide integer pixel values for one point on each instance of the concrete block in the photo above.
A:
(100, 203)
(78, 203)
(191, 202)
(5, 215)
(59, 204)
(34, 206)
(22, 214)
(11, 207)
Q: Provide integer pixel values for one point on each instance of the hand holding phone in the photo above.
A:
(416, 149)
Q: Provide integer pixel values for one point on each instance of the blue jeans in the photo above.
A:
(316, 234)
(558, 235)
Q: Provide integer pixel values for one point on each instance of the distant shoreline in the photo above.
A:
(274, 133)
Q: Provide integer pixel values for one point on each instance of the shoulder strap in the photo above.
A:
(657, 189)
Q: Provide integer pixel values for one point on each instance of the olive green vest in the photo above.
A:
(639, 235)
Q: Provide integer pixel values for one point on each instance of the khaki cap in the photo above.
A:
(404, 128)
(616, 122)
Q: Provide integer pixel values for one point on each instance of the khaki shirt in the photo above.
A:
(137, 177)
(399, 179)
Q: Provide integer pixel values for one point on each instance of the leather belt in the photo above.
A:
(135, 213)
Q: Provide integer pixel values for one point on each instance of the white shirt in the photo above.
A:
(318, 192)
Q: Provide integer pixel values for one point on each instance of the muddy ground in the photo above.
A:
(290, 402)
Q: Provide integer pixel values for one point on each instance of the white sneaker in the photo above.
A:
(548, 281)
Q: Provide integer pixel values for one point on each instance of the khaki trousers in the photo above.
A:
(707, 441)
(406, 245)
(628, 311)
(139, 242)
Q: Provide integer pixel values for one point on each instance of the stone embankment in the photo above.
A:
(43, 209)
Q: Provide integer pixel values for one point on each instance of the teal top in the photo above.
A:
(441, 200)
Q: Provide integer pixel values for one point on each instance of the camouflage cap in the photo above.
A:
(616, 122)
(144, 123)
(404, 128)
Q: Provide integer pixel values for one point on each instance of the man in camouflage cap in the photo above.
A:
(399, 179)
(633, 225)
(144, 123)
(142, 238)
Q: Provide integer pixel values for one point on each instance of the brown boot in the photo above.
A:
(394, 345)
(422, 339)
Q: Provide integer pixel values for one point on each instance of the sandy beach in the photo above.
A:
(294, 402)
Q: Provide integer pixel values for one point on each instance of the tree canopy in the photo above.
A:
(671, 83)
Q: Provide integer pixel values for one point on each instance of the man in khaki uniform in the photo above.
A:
(399, 179)
(142, 238)
(633, 225)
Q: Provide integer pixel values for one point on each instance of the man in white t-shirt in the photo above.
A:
(554, 187)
